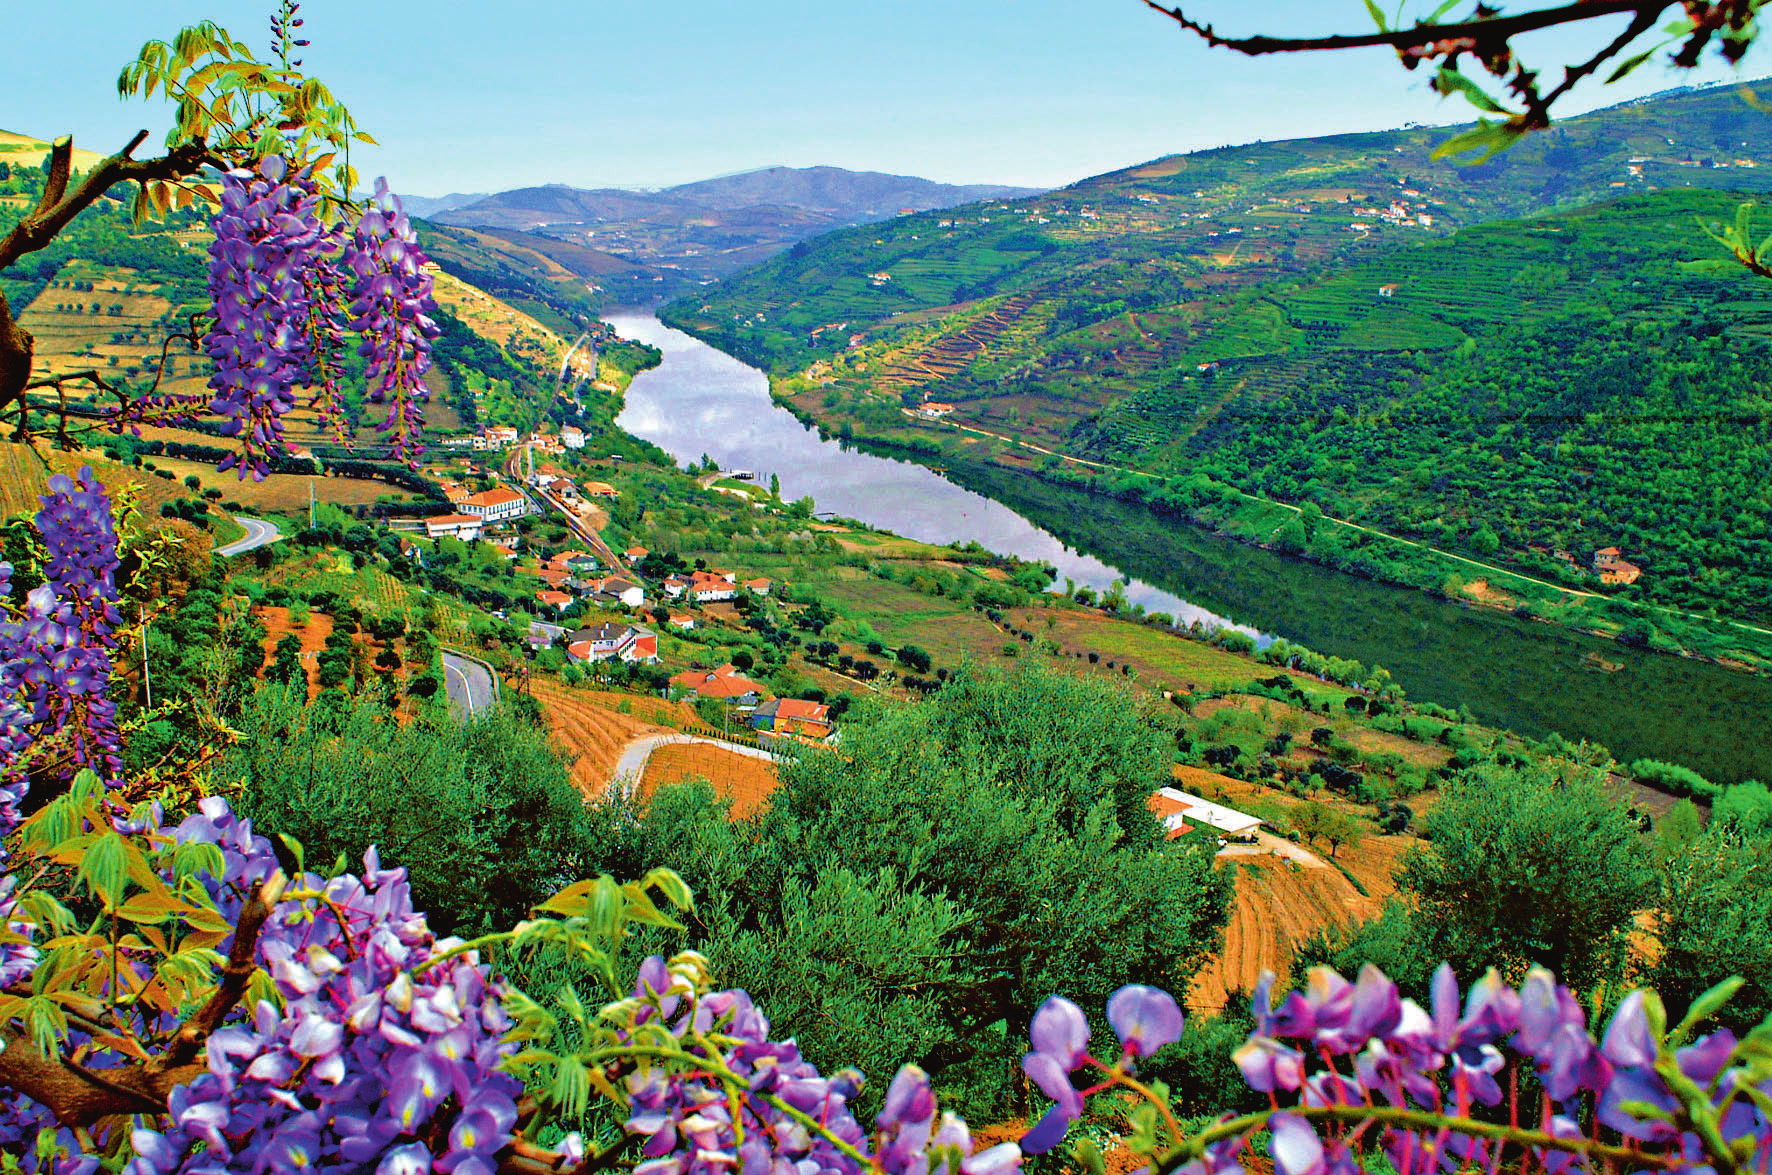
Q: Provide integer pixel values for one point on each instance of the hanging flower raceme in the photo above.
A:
(389, 309)
(56, 654)
(285, 283)
(268, 234)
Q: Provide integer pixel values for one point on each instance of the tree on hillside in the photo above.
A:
(1018, 800)
(1714, 920)
(481, 813)
(1521, 867)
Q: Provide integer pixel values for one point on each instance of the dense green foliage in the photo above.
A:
(1524, 866)
(482, 813)
(957, 857)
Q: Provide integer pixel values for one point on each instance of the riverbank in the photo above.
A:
(1309, 535)
(1512, 672)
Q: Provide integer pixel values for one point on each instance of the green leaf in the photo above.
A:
(104, 867)
(295, 850)
(1450, 81)
(1629, 65)
(1706, 1006)
(1377, 15)
(674, 888)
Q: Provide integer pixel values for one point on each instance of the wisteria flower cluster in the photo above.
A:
(710, 1091)
(284, 283)
(1353, 1067)
(389, 309)
(55, 658)
(369, 1053)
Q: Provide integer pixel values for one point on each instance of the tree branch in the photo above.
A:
(79, 1096)
(55, 209)
(242, 962)
(1481, 30)
(59, 206)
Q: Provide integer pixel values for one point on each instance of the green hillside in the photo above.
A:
(1511, 361)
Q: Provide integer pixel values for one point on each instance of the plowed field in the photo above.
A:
(1278, 905)
(745, 781)
(593, 733)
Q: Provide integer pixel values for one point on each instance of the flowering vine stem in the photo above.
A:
(1194, 1147)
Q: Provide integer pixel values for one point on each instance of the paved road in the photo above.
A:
(632, 763)
(469, 684)
(258, 533)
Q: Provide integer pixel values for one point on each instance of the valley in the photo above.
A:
(1519, 365)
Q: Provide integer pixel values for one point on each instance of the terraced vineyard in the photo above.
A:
(590, 731)
(953, 353)
(22, 479)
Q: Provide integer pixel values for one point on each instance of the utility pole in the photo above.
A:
(147, 682)
(310, 505)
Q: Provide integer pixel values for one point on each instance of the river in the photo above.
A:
(1513, 673)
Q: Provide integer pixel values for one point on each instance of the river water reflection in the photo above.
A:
(703, 401)
(1524, 676)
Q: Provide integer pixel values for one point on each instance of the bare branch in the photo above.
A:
(1483, 30)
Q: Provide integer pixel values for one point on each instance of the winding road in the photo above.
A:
(258, 534)
(469, 683)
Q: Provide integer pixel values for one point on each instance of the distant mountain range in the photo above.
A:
(699, 231)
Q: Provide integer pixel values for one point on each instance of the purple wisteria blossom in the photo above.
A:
(55, 657)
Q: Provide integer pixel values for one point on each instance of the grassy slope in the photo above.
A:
(1146, 335)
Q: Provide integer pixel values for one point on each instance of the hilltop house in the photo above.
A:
(725, 683)
(1611, 566)
(624, 642)
(499, 435)
(553, 599)
(1178, 810)
(759, 586)
(496, 505)
(793, 716)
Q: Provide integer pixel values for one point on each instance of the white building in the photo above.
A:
(461, 526)
(572, 436)
(1182, 809)
(496, 505)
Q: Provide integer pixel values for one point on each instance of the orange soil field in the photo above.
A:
(1278, 905)
(593, 733)
(745, 781)
(313, 639)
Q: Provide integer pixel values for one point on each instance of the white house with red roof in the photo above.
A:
(496, 505)
(622, 642)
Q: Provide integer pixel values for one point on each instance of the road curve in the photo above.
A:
(469, 685)
(258, 534)
(634, 756)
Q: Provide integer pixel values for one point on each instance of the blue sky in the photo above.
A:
(477, 97)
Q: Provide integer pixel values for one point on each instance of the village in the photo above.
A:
(595, 605)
